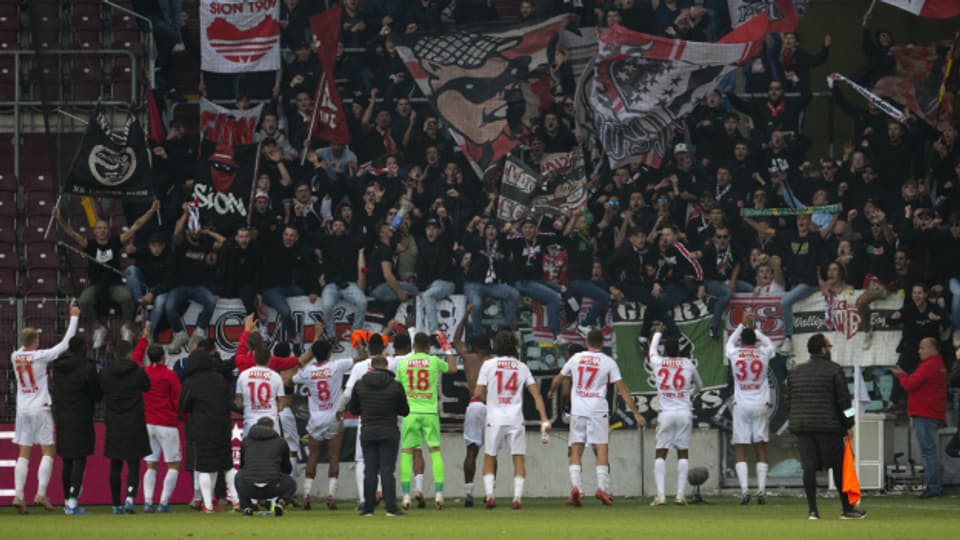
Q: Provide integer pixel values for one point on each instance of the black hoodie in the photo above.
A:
(203, 398)
(264, 456)
(124, 383)
(379, 399)
(74, 389)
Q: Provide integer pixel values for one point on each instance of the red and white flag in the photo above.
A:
(928, 9)
(753, 19)
(239, 37)
(232, 127)
(329, 120)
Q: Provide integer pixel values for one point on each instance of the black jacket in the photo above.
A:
(379, 399)
(124, 383)
(816, 398)
(264, 456)
(434, 261)
(204, 398)
(74, 389)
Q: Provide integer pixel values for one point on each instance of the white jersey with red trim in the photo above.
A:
(590, 373)
(504, 378)
(749, 365)
(324, 385)
(30, 371)
(260, 387)
(676, 379)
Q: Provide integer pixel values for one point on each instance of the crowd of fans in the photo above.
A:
(399, 213)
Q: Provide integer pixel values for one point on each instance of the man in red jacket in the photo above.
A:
(250, 340)
(160, 407)
(926, 391)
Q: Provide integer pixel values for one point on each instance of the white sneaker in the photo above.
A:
(176, 345)
(405, 504)
(560, 341)
(99, 337)
(126, 334)
(179, 47)
(438, 500)
(583, 330)
(659, 500)
(786, 347)
(199, 332)
(680, 501)
(867, 340)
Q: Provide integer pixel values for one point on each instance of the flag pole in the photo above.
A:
(253, 183)
(313, 116)
(50, 223)
(870, 9)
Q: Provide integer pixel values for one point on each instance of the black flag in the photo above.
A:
(111, 163)
(223, 184)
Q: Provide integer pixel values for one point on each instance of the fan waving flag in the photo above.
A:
(558, 189)
(488, 87)
(921, 71)
(752, 19)
(238, 37)
(111, 163)
(329, 121)
(224, 181)
(644, 85)
(930, 9)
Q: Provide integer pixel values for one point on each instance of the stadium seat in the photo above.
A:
(46, 39)
(75, 281)
(86, 82)
(8, 257)
(85, 16)
(8, 287)
(8, 206)
(39, 203)
(87, 39)
(9, 39)
(35, 226)
(40, 282)
(8, 79)
(8, 229)
(41, 255)
(9, 16)
(45, 76)
(43, 315)
(37, 182)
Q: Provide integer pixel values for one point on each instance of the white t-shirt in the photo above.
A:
(676, 379)
(773, 289)
(260, 387)
(590, 372)
(30, 370)
(505, 378)
(749, 365)
(323, 384)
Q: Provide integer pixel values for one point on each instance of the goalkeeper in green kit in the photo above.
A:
(420, 374)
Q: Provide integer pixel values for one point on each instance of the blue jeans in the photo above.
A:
(721, 291)
(352, 295)
(586, 288)
(476, 292)
(384, 293)
(545, 294)
(797, 293)
(926, 431)
(674, 294)
(437, 290)
(178, 296)
(276, 297)
(138, 289)
(955, 302)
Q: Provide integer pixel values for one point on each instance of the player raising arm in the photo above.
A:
(499, 384)
(590, 372)
(476, 414)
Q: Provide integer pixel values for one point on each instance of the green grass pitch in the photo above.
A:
(781, 518)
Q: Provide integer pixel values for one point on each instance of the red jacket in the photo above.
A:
(161, 403)
(282, 363)
(244, 358)
(926, 389)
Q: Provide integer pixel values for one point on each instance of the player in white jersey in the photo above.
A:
(676, 379)
(590, 372)
(260, 392)
(500, 383)
(322, 380)
(475, 416)
(749, 364)
(34, 423)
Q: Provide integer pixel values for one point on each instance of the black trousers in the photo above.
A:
(72, 476)
(133, 479)
(821, 451)
(284, 488)
(380, 462)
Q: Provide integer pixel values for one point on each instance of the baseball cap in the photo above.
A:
(432, 222)
(681, 148)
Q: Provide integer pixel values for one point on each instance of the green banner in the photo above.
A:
(763, 212)
(693, 319)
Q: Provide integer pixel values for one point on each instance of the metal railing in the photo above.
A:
(151, 44)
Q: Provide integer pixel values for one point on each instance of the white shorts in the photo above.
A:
(288, 429)
(163, 439)
(34, 427)
(496, 437)
(589, 430)
(673, 430)
(473, 422)
(751, 424)
(328, 428)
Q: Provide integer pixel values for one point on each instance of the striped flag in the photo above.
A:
(928, 9)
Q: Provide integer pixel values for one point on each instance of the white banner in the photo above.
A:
(228, 126)
(239, 36)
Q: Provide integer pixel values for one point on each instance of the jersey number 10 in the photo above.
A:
(259, 393)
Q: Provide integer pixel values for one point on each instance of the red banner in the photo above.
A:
(329, 121)
(778, 16)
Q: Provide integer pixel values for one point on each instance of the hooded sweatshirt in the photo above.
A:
(379, 399)
(264, 456)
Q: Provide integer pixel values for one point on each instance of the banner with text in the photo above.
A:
(228, 126)
(239, 36)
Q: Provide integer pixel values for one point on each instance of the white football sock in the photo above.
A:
(418, 483)
(358, 475)
(206, 490)
(230, 478)
(603, 477)
(683, 466)
(575, 476)
(332, 487)
(169, 484)
(196, 487)
(307, 487)
(488, 485)
(149, 484)
(761, 477)
(43, 475)
(518, 487)
(742, 476)
(468, 489)
(20, 476)
(660, 475)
